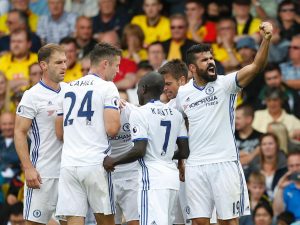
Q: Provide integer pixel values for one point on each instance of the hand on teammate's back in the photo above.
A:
(108, 164)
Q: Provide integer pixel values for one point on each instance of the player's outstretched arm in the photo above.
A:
(183, 151)
(137, 151)
(22, 126)
(59, 130)
(112, 121)
(247, 73)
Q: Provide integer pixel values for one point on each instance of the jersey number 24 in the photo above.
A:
(85, 109)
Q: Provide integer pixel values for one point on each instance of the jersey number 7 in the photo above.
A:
(166, 124)
(85, 103)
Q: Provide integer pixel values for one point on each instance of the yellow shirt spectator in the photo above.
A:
(142, 54)
(160, 32)
(221, 54)
(174, 52)
(32, 20)
(16, 69)
(254, 27)
(73, 73)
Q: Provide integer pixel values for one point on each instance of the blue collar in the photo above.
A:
(50, 88)
(201, 88)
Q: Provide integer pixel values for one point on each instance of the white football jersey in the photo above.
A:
(210, 113)
(121, 143)
(39, 104)
(160, 125)
(82, 104)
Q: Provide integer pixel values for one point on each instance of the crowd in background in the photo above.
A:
(150, 33)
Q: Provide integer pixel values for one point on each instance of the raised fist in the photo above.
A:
(266, 30)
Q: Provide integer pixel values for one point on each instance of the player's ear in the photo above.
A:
(43, 65)
(182, 80)
(192, 68)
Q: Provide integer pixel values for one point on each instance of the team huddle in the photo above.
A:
(92, 150)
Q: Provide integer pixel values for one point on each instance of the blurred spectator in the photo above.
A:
(85, 63)
(271, 162)
(143, 68)
(273, 78)
(17, 20)
(73, 71)
(125, 79)
(199, 29)
(177, 46)
(87, 8)
(224, 50)
(5, 104)
(22, 5)
(213, 11)
(154, 26)
(287, 19)
(287, 195)
(9, 160)
(291, 69)
(247, 49)
(285, 218)
(285, 143)
(4, 7)
(133, 43)
(130, 7)
(264, 9)
(246, 23)
(263, 214)
(59, 24)
(278, 50)
(15, 64)
(16, 98)
(247, 138)
(257, 188)
(84, 36)
(108, 19)
(12, 214)
(275, 112)
(156, 55)
(39, 7)
(35, 74)
(16, 214)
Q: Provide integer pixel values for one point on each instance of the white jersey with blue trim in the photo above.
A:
(82, 104)
(160, 125)
(210, 113)
(39, 104)
(121, 143)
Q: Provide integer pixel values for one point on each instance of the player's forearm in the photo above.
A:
(261, 57)
(183, 151)
(21, 145)
(133, 155)
(126, 83)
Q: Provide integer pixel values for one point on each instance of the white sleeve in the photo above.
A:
(230, 83)
(182, 132)
(112, 97)
(60, 100)
(138, 127)
(26, 108)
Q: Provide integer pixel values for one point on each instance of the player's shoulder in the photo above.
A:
(184, 89)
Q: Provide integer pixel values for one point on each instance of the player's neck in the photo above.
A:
(97, 73)
(150, 99)
(199, 82)
(51, 84)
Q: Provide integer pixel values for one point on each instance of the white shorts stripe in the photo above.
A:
(111, 193)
